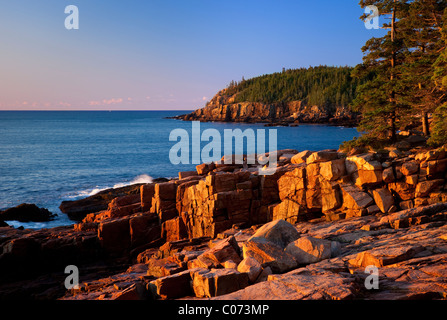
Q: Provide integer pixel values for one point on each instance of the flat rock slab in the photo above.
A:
(414, 212)
(381, 257)
(302, 286)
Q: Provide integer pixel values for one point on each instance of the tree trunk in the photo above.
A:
(425, 124)
(393, 65)
(392, 123)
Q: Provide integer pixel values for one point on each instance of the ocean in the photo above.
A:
(47, 157)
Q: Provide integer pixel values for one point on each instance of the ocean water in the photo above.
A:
(49, 157)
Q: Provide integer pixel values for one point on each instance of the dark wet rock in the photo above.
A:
(27, 213)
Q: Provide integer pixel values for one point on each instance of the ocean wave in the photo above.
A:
(141, 179)
(144, 178)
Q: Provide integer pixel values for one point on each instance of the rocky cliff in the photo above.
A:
(224, 231)
(222, 108)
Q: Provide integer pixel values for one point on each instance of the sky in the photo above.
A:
(163, 54)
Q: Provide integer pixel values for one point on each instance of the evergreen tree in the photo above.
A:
(314, 86)
(439, 135)
(440, 65)
(377, 99)
(420, 27)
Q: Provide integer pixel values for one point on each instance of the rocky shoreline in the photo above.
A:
(77, 210)
(226, 232)
(222, 108)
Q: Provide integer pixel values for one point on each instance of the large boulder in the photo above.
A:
(173, 286)
(217, 282)
(331, 196)
(402, 189)
(292, 184)
(365, 170)
(384, 199)
(368, 178)
(124, 206)
(301, 157)
(287, 210)
(365, 162)
(388, 175)
(252, 267)
(313, 192)
(308, 250)
(174, 230)
(355, 199)
(205, 168)
(333, 170)
(269, 254)
(322, 156)
(424, 188)
(279, 232)
(409, 168)
(225, 250)
(166, 191)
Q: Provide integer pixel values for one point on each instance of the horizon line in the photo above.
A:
(100, 110)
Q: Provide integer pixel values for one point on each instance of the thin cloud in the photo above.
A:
(65, 104)
(106, 102)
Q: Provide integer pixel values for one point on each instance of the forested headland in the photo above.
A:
(401, 85)
(322, 85)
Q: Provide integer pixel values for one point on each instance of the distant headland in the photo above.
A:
(315, 95)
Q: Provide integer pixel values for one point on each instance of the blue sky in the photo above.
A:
(163, 55)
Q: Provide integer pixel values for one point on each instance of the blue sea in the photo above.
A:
(48, 157)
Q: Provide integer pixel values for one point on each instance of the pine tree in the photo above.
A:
(420, 27)
(440, 65)
(377, 99)
(439, 135)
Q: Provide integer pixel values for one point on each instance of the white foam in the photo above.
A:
(144, 178)
(141, 179)
(85, 193)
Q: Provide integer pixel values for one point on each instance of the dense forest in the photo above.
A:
(323, 86)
